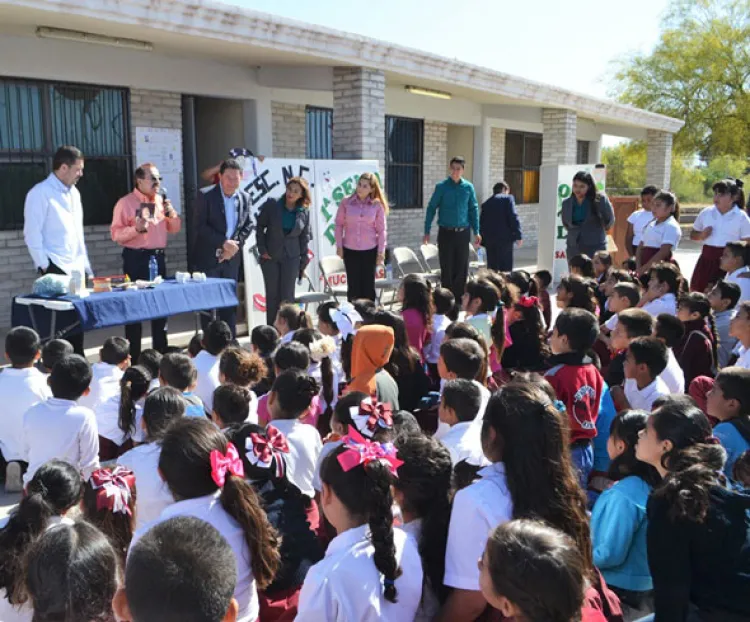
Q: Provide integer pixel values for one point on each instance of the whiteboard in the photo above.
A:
(163, 147)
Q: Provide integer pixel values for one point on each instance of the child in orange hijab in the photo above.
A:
(371, 350)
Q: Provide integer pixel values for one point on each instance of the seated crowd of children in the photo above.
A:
(489, 458)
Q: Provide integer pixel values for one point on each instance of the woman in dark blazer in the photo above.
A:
(283, 235)
(586, 214)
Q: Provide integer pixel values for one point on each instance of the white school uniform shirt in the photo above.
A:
(152, 496)
(304, 448)
(314, 371)
(25, 613)
(20, 389)
(346, 586)
(611, 323)
(154, 384)
(53, 226)
(444, 428)
(210, 510)
(207, 366)
(464, 442)
(730, 227)
(252, 416)
(673, 376)
(639, 219)
(477, 510)
(63, 430)
(643, 399)
(287, 338)
(327, 449)
(744, 357)
(655, 234)
(741, 282)
(429, 607)
(664, 304)
(105, 384)
(107, 420)
(432, 350)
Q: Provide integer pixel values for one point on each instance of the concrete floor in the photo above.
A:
(182, 327)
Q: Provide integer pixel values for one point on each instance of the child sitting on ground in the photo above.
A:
(740, 330)
(445, 304)
(582, 265)
(59, 427)
(528, 350)
(231, 406)
(663, 286)
(723, 298)
(292, 355)
(21, 386)
(216, 339)
(459, 405)
(289, 318)
(645, 360)
(729, 402)
(734, 262)
(670, 330)
(479, 303)
(264, 341)
(114, 359)
(244, 369)
(543, 279)
(624, 296)
(151, 359)
(697, 352)
(633, 323)
(54, 351)
(417, 310)
(371, 351)
(178, 371)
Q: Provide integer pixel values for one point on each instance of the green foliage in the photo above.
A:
(699, 72)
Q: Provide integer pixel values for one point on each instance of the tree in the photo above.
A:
(700, 72)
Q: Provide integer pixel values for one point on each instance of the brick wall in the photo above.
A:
(559, 137)
(529, 216)
(497, 156)
(659, 158)
(288, 130)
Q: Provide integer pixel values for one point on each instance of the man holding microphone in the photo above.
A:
(140, 224)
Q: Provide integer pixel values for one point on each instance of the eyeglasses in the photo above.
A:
(152, 178)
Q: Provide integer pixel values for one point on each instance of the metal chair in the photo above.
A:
(311, 296)
(430, 258)
(330, 266)
(474, 263)
(407, 262)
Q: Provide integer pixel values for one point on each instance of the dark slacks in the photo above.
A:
(279, 277)
(453, 251)
(76, 340)
(135, 265)
(500, 256)
(225, 270)
(360, 273)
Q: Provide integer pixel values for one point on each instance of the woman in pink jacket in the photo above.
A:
(361, 235)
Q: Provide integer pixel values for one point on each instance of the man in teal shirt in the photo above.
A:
(458, 214)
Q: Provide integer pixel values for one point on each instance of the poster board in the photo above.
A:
(330, 181)
(556, 185)
(163, 147)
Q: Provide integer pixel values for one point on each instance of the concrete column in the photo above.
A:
(497, 157)
(559, 136)
(482, 174)
(258, 126)
(595, 151)
(359, 114)
(659, 158)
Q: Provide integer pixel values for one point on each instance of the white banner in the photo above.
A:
(330, 181)
(162, 147)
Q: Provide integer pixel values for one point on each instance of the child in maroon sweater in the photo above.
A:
(697, 350)
(577, 382)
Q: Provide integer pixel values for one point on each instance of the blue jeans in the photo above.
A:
(583, 460)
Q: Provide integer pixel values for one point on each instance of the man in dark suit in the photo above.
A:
(222, 224)
(500, 228)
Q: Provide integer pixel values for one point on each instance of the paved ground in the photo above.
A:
(182, 327)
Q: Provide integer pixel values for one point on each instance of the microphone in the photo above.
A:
(163, 193)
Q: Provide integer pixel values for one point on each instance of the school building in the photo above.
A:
(92, 73)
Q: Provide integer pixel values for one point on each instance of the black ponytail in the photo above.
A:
(134, 386)
(294, 391)
(54, 489)
(365, 491)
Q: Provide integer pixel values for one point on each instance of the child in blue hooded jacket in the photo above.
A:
(618, 520)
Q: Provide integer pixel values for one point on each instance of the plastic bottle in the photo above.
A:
(153, 268)
(389, 271)
(482, 254)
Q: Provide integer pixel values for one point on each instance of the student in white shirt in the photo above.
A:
(662, 235)
(178, 371)
(734, 261)
(216, 339)
(645, 361)
(445, 304)
(479, 302)
(151, 359)
(522, 436)
(21, 386)
(55, 488)
(459, 404)
(162, 407)
(289, 318)
(53, 351)
(324, 371)
(670, 331)
(371, 571)
(60, 428)
(53, 222)
(114, 359)
(205, 475)
(118, 419)
(663, 286)
(244, 369)
(723, 298)
(231, 406)
(638, 220)
(422, 491)
(739, 328)
(725, 221)
(186, 558)
(288, 400)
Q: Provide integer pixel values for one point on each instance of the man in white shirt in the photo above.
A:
(459, 406)
(645, 361)
(53, 222)
(21, 386)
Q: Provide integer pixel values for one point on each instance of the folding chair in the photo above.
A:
(330, 266)
(311, 296)
(430, 258)
(407, 262)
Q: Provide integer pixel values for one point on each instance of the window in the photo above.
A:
(582, 152)
(523, 157)
(319, 133)
(403, 162)
(37, 117)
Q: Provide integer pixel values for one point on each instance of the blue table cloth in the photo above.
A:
(128, 307)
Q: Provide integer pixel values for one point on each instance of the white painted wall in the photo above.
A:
(399, 102)
(461, 142)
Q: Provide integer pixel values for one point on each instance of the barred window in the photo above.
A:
(37, 117)
(403, 162)
(582, 152)
(319, 133)
(523, 158)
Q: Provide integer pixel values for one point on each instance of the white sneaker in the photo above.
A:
(13, 481)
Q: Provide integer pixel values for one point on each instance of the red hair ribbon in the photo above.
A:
(221, 464)
(113, 489)
(359, 450)
(261, 450)
(528, 301)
